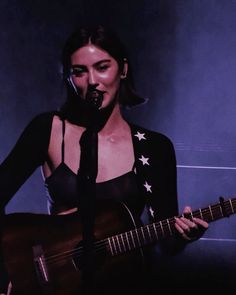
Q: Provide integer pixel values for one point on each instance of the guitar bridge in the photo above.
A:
(40, 265)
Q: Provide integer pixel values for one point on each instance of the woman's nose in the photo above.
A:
(92, 78)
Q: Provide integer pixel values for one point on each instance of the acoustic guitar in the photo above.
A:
(43, 253)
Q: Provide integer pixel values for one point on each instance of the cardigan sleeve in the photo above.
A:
(29, 152)
(157, 177)
(156, 169)
(164, 202)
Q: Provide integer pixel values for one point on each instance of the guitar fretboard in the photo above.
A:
(151, 233)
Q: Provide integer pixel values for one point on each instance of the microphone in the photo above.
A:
(94, 97)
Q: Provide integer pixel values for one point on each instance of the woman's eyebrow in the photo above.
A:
(95, 64)
(102, 61)
(78, 66)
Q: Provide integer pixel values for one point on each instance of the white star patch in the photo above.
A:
(140, 135)
(144, 160)
(151, 212)
(148, 187)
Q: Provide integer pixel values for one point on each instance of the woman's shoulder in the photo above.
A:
(39, 127)
(44, 117)
(152, 144)
(42, 121)
(148, 135)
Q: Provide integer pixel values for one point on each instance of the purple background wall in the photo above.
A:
(184, 57)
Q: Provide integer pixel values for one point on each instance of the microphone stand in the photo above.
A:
(86, 182)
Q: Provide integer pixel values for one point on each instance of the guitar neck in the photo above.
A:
(151, 233)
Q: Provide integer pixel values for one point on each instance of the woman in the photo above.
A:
(134, 165)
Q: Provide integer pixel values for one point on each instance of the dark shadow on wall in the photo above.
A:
(154, 65)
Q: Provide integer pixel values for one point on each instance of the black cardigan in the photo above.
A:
(154, 161)
(154, 148)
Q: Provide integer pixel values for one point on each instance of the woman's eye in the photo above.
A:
(103, 68)
(77, 71)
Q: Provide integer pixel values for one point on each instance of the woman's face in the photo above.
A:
(92, 66)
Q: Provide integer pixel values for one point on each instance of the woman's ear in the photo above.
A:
(125, 69)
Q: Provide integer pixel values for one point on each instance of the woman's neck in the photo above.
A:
(115, 123)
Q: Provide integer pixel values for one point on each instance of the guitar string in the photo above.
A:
(75, 251)
(100, 244)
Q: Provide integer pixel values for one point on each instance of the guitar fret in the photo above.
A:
(110, 246)
(117, 244)
(200, 211)
(221, 212)
(132, 237)
(163, 233)
(144, 239)
(113, 240)
(216, 209)
(194, 214)
(168, 223)
(123, 242)
(199, 214)
(149, 233)
(127, 239)
(166, 228)
(136, 231)
(155, 230)
(117, 237)
(212, 218)
(231, 206)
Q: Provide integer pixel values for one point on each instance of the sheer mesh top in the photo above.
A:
(62, 193)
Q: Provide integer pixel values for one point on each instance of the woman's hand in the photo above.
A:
(190, 229)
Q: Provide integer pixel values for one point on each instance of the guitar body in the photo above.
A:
(41, 253)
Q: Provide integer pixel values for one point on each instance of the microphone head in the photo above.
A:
(94, 98)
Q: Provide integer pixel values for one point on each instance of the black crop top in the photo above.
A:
(62, 193)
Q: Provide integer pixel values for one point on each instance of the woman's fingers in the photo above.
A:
(190, 229)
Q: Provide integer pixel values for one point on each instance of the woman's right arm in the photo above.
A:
(29, 152)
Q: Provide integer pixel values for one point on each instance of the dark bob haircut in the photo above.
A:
(108, 41)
